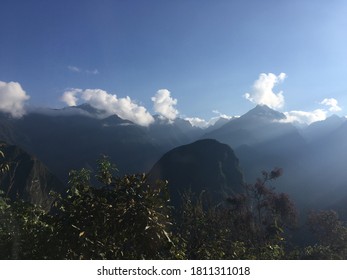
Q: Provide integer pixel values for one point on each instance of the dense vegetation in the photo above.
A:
(126, 218)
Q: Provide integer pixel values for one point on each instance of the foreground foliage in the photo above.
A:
(126, 218)
(251, 225)
(123, 218)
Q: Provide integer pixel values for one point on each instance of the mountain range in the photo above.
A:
(312, 157)
(75, 137)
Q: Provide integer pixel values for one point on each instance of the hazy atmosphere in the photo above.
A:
(186, 129)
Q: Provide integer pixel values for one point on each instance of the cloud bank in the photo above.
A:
(12, 99)
(110, 103)
(262, 91)
(164, 105)
(303, 117)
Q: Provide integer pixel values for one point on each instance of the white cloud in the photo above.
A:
(197, 122)
(93, 72)
(70, 97)
(332, 103)
(263, 93)
(221, 115)
(12, 99)
(164, 104)
(74, 69)
(303, 117)
(111, 104)
(80, 70)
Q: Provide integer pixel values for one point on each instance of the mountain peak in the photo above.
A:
(335, 118)
(90, 109)
(202, 165)
(264, 112)
(115, 120)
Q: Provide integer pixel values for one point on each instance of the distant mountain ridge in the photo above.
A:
(256, 126)
(74, 137)
(312, 157)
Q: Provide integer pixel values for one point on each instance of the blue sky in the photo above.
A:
(206, 54)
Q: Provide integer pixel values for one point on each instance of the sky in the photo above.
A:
(195, 59)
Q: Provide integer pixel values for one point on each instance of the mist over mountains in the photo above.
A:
(312, 157)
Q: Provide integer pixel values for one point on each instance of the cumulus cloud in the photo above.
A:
(164, 105)
(70, 97)
(12, 99)
(303, 117)
(332, 103)
(262, 92)
(110, 103)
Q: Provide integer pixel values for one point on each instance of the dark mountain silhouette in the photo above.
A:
(205, 165)
(28, 178)
(73, 142)
(115, 121)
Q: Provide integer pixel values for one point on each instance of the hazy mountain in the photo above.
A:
(320, 129)
(260, 139)
(75, 137)
(115, 121)
(173, 134)
(313, 158)
(219, 123)
(65, 142)
(205, 165)
(28, 178)
(326, 160)
(258, 125)
(90, 109)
